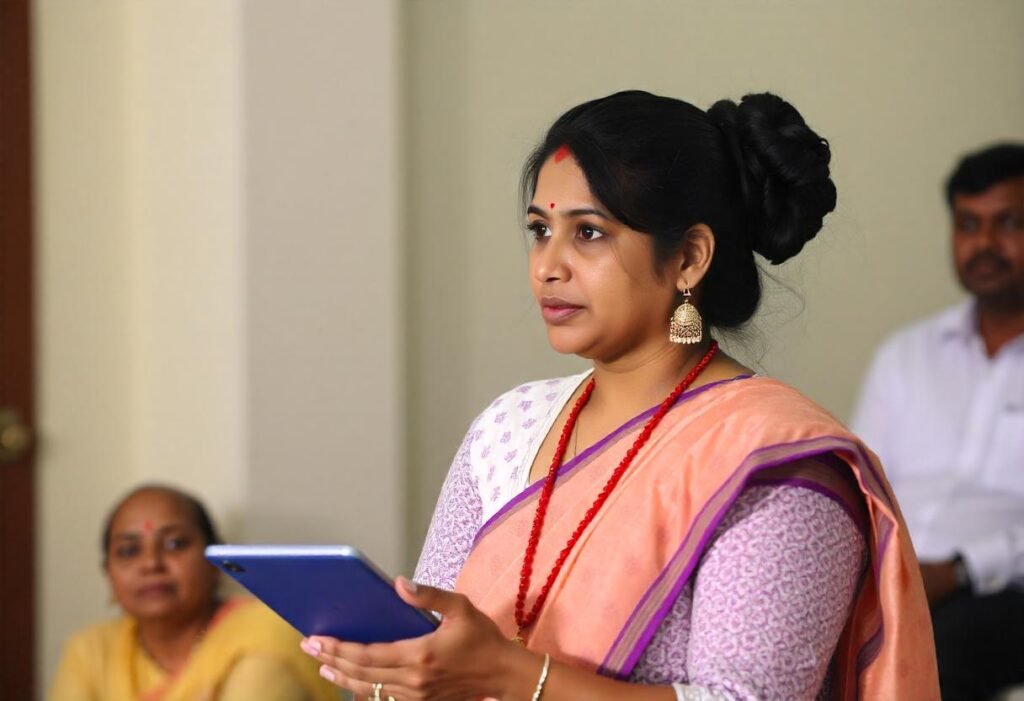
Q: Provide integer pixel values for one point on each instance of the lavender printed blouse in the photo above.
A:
(763, 612)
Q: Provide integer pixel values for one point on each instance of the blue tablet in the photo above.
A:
(329, 590)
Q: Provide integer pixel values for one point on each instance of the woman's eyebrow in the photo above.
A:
(583, 211)
(587, 211)
(166, 528)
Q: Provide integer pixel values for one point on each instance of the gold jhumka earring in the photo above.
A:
(686, 326)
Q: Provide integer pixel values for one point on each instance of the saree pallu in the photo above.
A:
(106, 661)
(634, 559)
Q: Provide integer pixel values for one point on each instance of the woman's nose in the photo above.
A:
(550, 260)
(153, 558)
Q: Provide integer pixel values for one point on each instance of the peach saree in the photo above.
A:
(642, 548)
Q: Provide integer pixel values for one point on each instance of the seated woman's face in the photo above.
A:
(155, 559)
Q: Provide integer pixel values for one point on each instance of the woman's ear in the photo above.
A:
(698, 250)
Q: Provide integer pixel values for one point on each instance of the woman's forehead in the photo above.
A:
(562, 179)
(150, 510)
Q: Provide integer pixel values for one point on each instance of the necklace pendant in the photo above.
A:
(519, 639)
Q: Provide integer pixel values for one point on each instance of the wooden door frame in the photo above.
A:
(17, 348)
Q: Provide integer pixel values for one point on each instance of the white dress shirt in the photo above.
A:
(947, 422)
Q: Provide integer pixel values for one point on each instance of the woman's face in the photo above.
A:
(155, 559)
(594, 277)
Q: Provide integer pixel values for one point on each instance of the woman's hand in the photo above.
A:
(466, 657)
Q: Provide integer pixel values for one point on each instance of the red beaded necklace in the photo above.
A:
(523, 619)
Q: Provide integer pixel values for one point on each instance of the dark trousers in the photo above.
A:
(979, 641)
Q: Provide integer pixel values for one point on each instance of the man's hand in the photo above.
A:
(940, 580)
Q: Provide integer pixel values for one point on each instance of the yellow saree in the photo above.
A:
(247, 653)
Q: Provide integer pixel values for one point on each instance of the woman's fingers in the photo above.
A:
(357, 667)
(399, 681)
(427, 598)
(397, 654)
(445, 664)
(363, 689)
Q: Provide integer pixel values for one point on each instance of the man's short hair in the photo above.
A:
(982, 169)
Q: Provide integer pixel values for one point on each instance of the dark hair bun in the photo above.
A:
(784, 172)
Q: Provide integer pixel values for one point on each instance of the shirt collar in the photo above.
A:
(960, 322)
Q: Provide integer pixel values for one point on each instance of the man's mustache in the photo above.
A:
(987, 258)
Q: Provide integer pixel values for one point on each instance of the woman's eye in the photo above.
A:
(175, 543)
(124, 552)
(589, 233)
(538, 229)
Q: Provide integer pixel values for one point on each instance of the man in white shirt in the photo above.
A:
(943, 406)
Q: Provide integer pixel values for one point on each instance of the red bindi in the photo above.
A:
(147, 526)
(551, 206)
(562, 153)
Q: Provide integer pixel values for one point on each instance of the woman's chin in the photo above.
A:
(156, 610)
(569, 342)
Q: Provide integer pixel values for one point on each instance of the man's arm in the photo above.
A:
(995, 561)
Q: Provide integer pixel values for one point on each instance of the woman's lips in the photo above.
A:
(556, 311)
(151, 591)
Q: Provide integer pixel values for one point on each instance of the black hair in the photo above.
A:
(201, 517)
(978, 171)
(753, 172)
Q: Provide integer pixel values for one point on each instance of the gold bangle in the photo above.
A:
(543, 678)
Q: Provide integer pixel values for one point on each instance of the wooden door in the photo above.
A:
(17, 410)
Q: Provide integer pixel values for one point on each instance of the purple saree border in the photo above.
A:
(585, 457)
(869, 651)
(742, 476)
(817, 487)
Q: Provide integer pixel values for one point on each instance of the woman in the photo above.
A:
(178, 641)
(668, 525)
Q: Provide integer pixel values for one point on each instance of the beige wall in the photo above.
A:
(900, 89)
(187, 204)
(324, 286)
(87, 402)
(213, 178)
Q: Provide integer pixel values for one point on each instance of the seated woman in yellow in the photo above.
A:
(178, 640)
